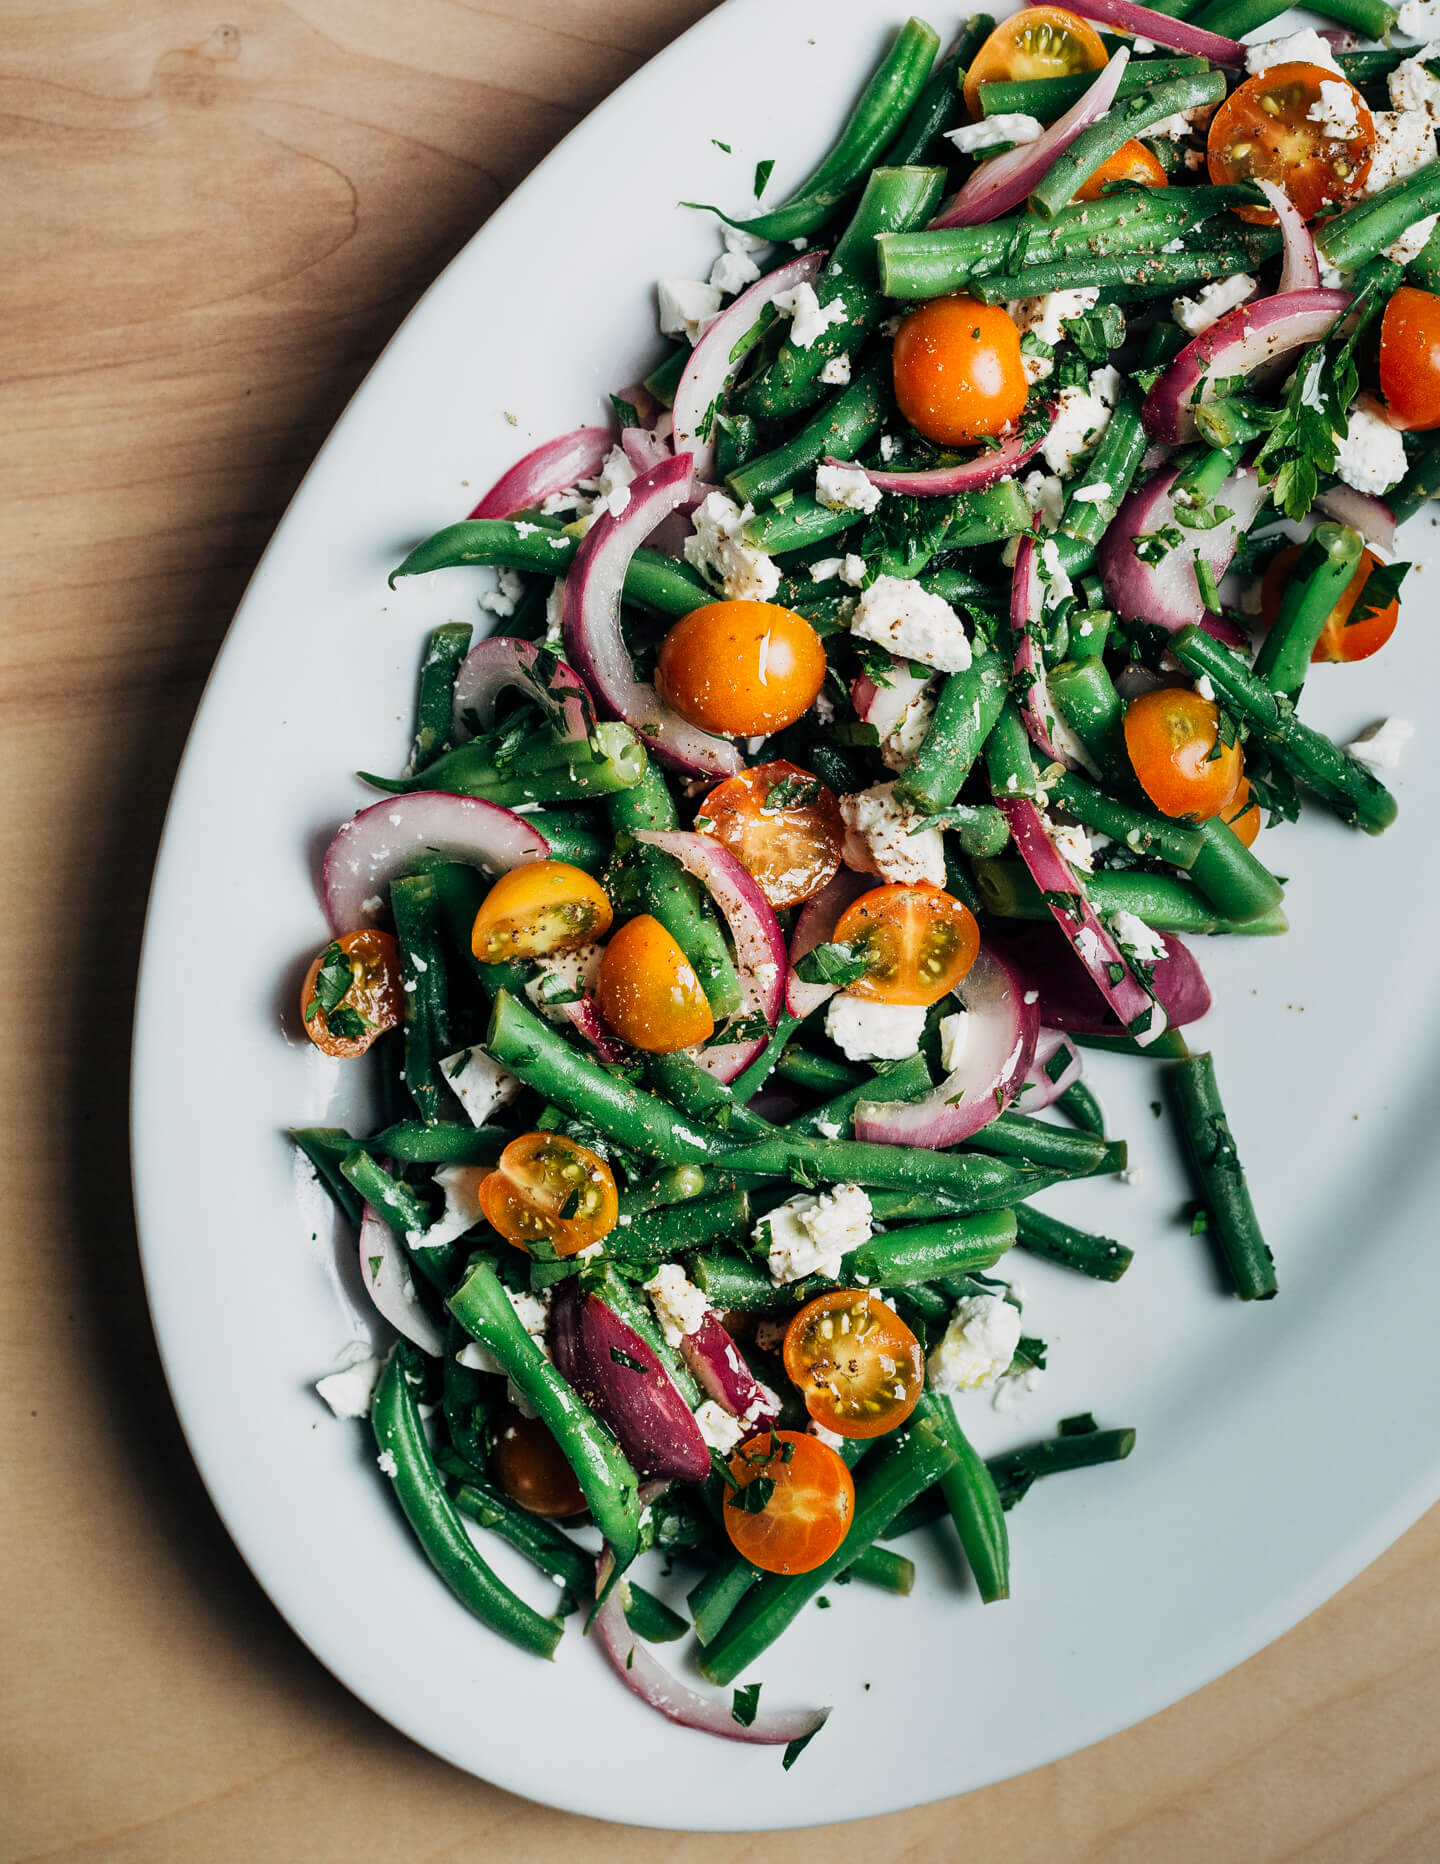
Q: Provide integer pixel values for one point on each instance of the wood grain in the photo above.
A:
(213, 221)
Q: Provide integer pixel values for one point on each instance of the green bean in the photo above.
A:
(652, 580)
(889, 1481)
(1372, 17)
(667, 892)
(543, 1544)
(737, 439)
(1424, 269)
(891, 1572)
(388, 1196)
(1236, 883)
(937, 106)
(1085, 697)
(664, 378)
(1140, 829)
(821, 1074)
(904, 1081)
(686, 1085)
(974, 1503)
(1090, 632)
(745, 1086)
(463, 1399)
(653, 1237)
(434, 708)
(1127, 117)
(1372, 63)
(427, 1003)
(977, 829)
(648, 1617)
(1231, 18)
(802, 522)
(574, 837)
(1129, 275)
(840, 428)
(606, 1479)
(460, 892)
(1114, 463)
(718, 1593)
(1169, 1045)
(1008, 763)
(573, 776)
(620, 1297)
(1322, 575)
(1220, 1178)
(1364, 231)
(1313, 759)
(677, 1184)
(1047, 99)
(1100, 1257)
(1018, 1469)
(1016, 1135)
(440, 1142)
(1165, 904)
(987, 1183)
(405, 1457)
(327, 1147)
(1079, 1104)
(965, 714)
(1420, 484)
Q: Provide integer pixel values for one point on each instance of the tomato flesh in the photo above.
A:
(1279, 127)
(803, 1512)
(1038, 42)
(743, 669)
(856, 1364)
(546, 1187)
(1410, 359)
(538, 908)
(1171, 735)
(918, 942)
(530, 1467)
(958, 371)
(1243, 814)
(1132, 161)
(781, 824)
(1342, 637)
(648, 991)
(367, 965)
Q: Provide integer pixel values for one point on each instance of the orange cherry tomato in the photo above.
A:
(856, 1364)
(780, 823)
(1341, 638)
(371, 1002)
(648, 991)
(958, 372)
(1039, 42)
(1277, 128)
(918, 942)
(1410, 358)
(1132, 161)
(531, 1469)
(1170, 734)
(540, 907)
(1243, 814)
(803, 1512)
(743, 669)
(545, 1185)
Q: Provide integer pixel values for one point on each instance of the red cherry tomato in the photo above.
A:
(780, 823)
(1171, 734)
(545, 1185)
(648, 991)
(958, 372)
(531, 1469)
(1243, 814)
(744, 669)
(797, 1520)
(1343, 638)
(918, 942)
(856, 1364)
(1410, 358)
(1277, 127)
(352, 993)
(1132, 161)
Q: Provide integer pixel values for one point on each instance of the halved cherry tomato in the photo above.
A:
(545, 1185)
(1132, 161)
(1410, 358)
(648, 991)
(741, 668)
(856, 1364)
(1171, 735)
(797, 1520)
(1341, 638)
(1039, 42)
(1279, 127)
(780, 823)
(958, 371)
(1243, 814)
(531, 1468)
(918, 942)
(540, 907)
(352, 993)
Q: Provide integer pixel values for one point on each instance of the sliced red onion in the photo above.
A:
(501, 662)
(1301, 269)
(1252, 335)
(1047, 1081)
(389, 1282)
(971, 475)
(754, 931)
(1364, 513)
(643, 449)
(643, 1674)
(392, 837)
(1168, 593)
(815, 925)
(1005, 180)
(884, 706)
(584, 1017)
(1097, 950)
(713, 362)
(722, 1374)
(1027, 603)
(1068, 1000)
(1000, 1030)
(1173, 34)
(593, 590)
(552, 468)
(599, 1354)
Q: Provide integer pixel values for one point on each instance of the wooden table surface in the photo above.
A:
(213, 220)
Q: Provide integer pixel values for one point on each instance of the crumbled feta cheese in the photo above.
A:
(504, 598)
(481, 1085)
(1413, 241)
(977, 1346)
(1404, 142)
(560, 977)
(810, 1235)
(1176, 128)
(347, 1392)
(1133, 1174)
(809, 318)
(721, 1431)
(1045, 496)
(900, 743)
(732, 272)
(1301, 48)
(1371, 456)
(1336, 110)
(830, 1438)
(1011, 1387)
(1380, 746)
(533, 1313)
(1044, 318)
(386, 1464)
(853, 570)
(954, 1039)
(719, 551)
(1072, 844)
(1054, 574)
(1136, 939)
(991, 131)
(884, 826)
(866, 1031)
(461, 1186)
(846, 488)
(1212, 302)
(887, 447)
(836, 373)
(555, 613)
(912, 623)
(1092, 494)
(679, 1305)
(687, 306)
(1411, 86)
(1081, 417)
(826, 569)
(1419, 19)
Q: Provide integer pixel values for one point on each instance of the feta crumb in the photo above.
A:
(836, 373)
(853, 570)
(504, 598)
(386, 1464)
(719, 551)
(1380, 746)
(679, 1305)
(846, 488)
(555, 614)
(1133, 1174)
(461, 1185)
(825, 569)
(991, 131)
(954, 1039)
(915, 625)
(1418, 19)
(733, 271)
(348, 1391)
(977, 1346)
(899, 745)
(1045, 318)
(687, 307)
(719, 1429)
(809, 318)
(481, 1085)
(1012, 1386)
(1413, 241)
(866, 1031)
(559, 977)
(1092, 494)
(1404, 142)
(887, 447)
(1045, 496)
(1335, 110)
(1081, 417)
(1411, 86)
(1072, 844)
(810, 1235)
(884, 826)
(1300, 48)
(1136, 939)
(830, 1438)
(1212, 302)
(1371, 456)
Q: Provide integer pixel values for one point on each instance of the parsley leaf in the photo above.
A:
(755, 1497)
(763, 172)
(631, 1364)
(745, 1703)
(625, 411)
(347, 1025)
(794, 1749)
(332, 982)
(1382, 587)
(792, 792)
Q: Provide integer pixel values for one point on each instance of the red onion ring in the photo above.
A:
(584, 1017)
(393, 836)
(1300, 270)
(1173, 34)
(643, 449)
(501, 662)
(389, 1282)
(1167, 593)
(1039, 1090)
(1067, 999)
(1027, 601)
(971, 475)
(555, 467)
(1368, 515)
(593, 589)
(722, 1374)
(815, 925)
